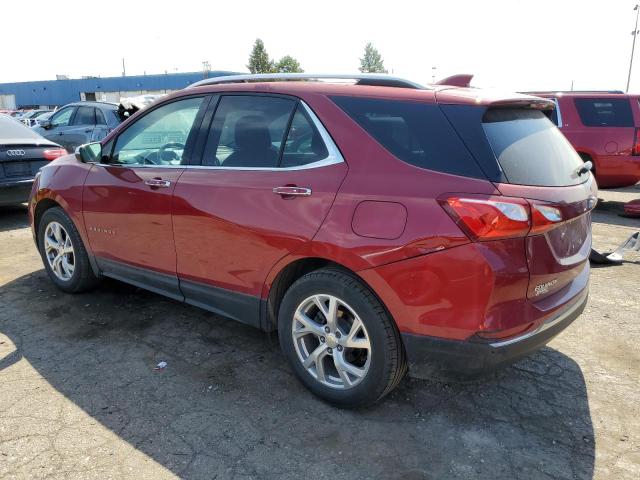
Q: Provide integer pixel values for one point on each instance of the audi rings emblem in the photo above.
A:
(15, 153)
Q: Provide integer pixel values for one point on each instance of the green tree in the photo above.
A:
(259, 61)
(288, 64)
(372, 61)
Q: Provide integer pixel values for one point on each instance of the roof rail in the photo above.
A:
(573, 91)
(371, 79)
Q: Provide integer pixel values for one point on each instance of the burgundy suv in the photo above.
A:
(603, 128)
(377, 225)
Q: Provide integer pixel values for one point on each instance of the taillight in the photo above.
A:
(636, 146)
(494, 217)
(489, 218)
(53, 153)
(543, 218)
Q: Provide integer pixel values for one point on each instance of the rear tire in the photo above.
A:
(63, 253)
(339, 339)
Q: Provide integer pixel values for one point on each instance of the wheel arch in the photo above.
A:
(41, 207)
(47, 203)
(287, 274)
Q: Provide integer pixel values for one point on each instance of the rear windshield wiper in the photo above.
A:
(585, 168)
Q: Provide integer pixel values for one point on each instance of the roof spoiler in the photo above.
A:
(460, 80)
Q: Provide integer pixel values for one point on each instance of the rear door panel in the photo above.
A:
(231, 228)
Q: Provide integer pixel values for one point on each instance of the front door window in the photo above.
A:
(159, 137)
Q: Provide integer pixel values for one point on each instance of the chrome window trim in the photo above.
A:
(333, 158)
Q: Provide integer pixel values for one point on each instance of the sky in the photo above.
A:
(512, 45)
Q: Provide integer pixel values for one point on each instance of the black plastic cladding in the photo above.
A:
(467, 121)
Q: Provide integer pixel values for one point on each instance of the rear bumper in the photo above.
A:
(431, 357)
(15, 192)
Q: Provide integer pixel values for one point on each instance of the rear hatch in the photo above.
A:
(532, 164)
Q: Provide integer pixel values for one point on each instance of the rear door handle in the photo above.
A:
(158, 183)
(292, 191)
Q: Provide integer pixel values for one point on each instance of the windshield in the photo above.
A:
(530, 149)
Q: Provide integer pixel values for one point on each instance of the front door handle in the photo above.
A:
(290, 191)
(157, 183)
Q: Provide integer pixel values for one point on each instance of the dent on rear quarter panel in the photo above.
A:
(457, 292)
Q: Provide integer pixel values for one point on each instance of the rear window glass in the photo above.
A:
(530, 149)
(604, 112)
(417, 133)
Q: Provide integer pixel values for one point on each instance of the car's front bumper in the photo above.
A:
(15, 192)
(431, 357)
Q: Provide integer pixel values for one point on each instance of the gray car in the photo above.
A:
(79, 123)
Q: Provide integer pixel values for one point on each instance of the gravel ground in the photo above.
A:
(79, 396)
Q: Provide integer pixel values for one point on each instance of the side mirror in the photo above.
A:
(46, 124)
(89, 152)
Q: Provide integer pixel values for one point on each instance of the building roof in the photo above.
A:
(61, 92)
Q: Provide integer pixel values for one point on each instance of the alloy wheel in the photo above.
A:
(331, 341)
(59, 251)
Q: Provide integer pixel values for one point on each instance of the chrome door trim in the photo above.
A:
(333, 158)
(291, 190)
(157, 182)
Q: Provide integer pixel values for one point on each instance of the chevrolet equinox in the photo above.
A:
(376, 224)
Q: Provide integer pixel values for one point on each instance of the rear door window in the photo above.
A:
(417, 133)
(604, 112)
(530, 149)
(304, 145)
(248, 131)
(100, 120)
(85, 116)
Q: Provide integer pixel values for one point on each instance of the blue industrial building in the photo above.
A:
(55, 93)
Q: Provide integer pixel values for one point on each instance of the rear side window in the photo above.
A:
(604, 112)
(416, 133)
(530, 149)
(248, 131)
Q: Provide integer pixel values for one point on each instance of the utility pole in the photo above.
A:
(206, 68)
(433, 74)
(124, 71)
(633, 46)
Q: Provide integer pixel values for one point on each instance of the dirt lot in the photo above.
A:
(79, 397)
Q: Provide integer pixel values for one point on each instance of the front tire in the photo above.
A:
(63, 253)
(339, 339)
